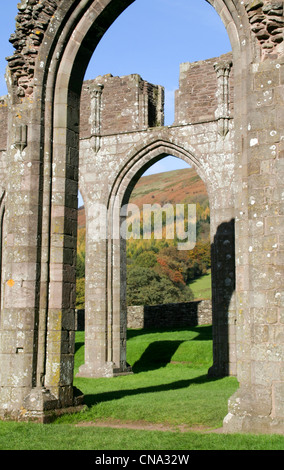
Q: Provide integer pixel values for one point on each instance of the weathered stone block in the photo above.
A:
(278, 395)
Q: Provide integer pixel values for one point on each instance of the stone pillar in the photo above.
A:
(37, 320)
(97, 362)
(105, 307)
(258, 404)
(19, 339)
(60, 249)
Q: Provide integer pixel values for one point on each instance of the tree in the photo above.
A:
(145, 286)
(80, 293)
(80, 266)
(81, 251)
(146, 259)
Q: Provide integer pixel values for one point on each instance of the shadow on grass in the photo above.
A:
(204, 332)
(91, 400)
(158, 354)
(78, 346)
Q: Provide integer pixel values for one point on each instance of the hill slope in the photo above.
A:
(177, 186)
(183, 186)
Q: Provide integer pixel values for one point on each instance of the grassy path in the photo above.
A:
(20, 436)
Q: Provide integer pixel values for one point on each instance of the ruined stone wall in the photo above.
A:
(110, 105)
(119, 116)
(267, 21)
(240, 161)
(130, 103)
(196, 98)
(32, 22)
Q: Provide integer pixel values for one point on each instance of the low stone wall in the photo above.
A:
(162, 316)
(170, 315)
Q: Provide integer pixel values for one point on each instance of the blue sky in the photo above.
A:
(151, 38)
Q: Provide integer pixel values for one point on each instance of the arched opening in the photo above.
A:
(138, 162)
(152, 240)
(160, 270)
(190, 189)
(96, 129)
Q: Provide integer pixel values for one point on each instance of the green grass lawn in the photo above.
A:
(169, 387)
(201, 287)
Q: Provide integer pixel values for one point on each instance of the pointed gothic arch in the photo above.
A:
(108, 357)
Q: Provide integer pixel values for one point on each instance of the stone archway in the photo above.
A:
(221, 229)
(105, 316)
(37, 318)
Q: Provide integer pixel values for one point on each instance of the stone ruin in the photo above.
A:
(228, 125)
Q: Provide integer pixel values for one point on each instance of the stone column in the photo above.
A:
(37, 311)
(97, 363)
(258, 405)
(223, 112)
(2, 213)
(20, 283)
(105, 312)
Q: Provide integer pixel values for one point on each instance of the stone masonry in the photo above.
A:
(183, 315)
(228, 125)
